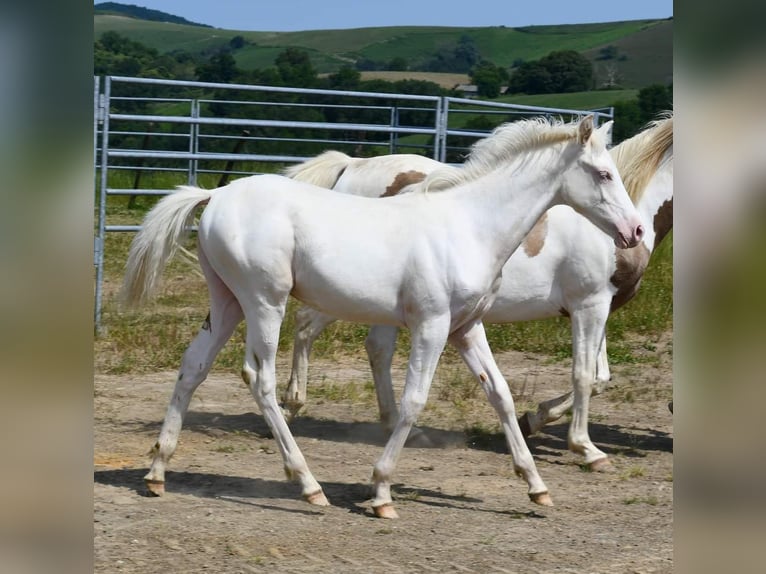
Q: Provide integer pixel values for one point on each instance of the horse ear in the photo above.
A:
(606, 131)
(585, 129)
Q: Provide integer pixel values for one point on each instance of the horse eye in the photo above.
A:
(605, 175)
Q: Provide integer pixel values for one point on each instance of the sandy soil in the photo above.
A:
(230, 509)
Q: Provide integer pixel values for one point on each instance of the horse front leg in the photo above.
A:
(428, 340)
(471, 342)
(309, 324)
(588, 339)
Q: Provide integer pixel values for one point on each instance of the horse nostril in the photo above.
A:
(639, 232)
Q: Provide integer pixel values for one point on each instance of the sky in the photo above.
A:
(288, 15)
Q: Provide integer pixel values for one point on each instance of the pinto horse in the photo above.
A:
(566, 267)
(428, 261)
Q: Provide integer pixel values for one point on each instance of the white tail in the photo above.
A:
(163, 230)
(323, 170)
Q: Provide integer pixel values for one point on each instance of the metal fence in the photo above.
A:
(151, 135)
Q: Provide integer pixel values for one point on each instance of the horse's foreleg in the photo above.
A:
(309, 324)
(588, 328)
(259, 374)
(225, 315)
(428, 341)
(471, 343)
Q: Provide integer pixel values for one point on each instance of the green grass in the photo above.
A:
(592, 100)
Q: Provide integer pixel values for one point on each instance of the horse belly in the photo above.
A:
(359, 293)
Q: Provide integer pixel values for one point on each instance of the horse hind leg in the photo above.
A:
(259, 374)
(553, 409)
(225, 314)
(309, 324)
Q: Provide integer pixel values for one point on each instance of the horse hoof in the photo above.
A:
(155, 487)
(601, 465)
(385, 511)
(541, 498)
(524, 425)
(670, 407)
(317, 499)
(291, 409)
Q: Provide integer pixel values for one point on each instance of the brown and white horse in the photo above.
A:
(566, 266)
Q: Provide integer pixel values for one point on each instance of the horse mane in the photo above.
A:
(638, 158)
(506, 143)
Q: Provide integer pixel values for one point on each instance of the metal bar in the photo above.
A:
(270, 123)
(257, 88)
(102, 204)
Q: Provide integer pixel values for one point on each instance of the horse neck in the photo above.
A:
(506, 203)
(656, 205)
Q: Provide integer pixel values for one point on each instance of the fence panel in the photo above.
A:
(175, 132)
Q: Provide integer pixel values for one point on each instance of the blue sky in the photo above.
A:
(284, 15)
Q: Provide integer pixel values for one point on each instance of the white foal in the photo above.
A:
(566, 267)
(430, 262)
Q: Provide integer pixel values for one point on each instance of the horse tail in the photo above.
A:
(323, 170)
(163, 230)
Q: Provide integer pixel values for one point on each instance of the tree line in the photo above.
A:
(561, 71)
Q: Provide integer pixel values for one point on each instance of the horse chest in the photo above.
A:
(630, 265)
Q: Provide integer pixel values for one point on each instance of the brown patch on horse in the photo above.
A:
(535, 239)
(663, 221)
(402, 180)
(631, 264)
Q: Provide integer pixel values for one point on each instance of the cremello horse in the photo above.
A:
(566, 267)
(430, 262)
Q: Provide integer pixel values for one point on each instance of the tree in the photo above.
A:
(459, 57)
(558, 72)
(295, 69)
(398, 64)
(654, 99)
(488, 79)
(237, 42)
(570, 71)
(632, 115)
(347, 78)
(220, 68)
(530, 78)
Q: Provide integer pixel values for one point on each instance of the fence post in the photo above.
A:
(393, 139)
(442, 125)
(104, 113)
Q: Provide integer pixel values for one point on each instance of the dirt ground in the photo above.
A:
(229, 508)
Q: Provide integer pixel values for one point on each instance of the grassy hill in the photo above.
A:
(645, 44)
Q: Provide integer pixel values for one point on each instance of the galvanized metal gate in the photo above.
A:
(188, 130)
